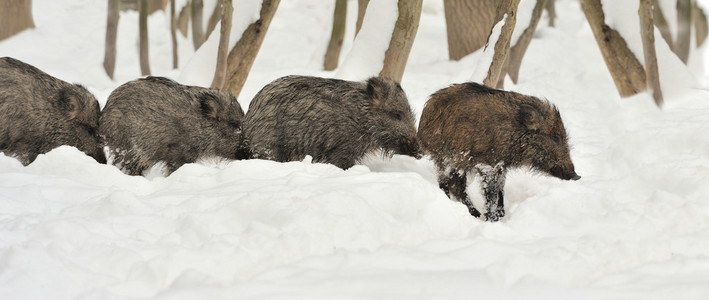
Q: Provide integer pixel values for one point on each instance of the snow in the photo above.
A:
(636, 226)
(366, 57)
(488, 53)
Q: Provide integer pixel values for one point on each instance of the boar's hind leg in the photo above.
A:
(453, 183)
(493, 184)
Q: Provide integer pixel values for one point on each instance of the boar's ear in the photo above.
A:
(530, 117)
(68, 102)
(210, 105)
(377, 91)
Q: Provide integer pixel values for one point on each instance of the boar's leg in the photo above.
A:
(453, 183)
(493, 184)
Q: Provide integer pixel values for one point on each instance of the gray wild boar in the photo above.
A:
(39, 112)
(334, 121)
(155, 119)
(469, 128)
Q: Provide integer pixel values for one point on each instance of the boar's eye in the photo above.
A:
(396, 115)
(556, 138)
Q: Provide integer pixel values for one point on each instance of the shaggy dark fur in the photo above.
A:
(334, 121)
(469, 127)
(155, 119)
(39, 113)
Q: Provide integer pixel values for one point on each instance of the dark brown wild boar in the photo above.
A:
(468, 128)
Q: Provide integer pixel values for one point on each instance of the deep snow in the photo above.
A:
(636, 226)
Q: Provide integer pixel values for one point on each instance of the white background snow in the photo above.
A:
(636, 226)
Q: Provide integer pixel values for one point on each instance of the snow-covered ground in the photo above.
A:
(636, 226)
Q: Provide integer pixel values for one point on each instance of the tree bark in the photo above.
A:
(506, 8)
(332, 56)
(627, 72)
(223, 50)
(647, 33)
(183, 20)
(173, 34)
(361, 10)
(551, 11)
(684, 29)
(143, 29)
(109, 56)
(15, 16)
(468, 24)
(213, 20)
(197, 31)
(661, 24)
(242, 56)
(700, 24)
(402, 39)
(517, 51)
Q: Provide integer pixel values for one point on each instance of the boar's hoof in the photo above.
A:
(474, 212)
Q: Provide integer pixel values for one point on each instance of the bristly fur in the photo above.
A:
(468, 124)
(334, 121)
(39, 112)
(156, 119)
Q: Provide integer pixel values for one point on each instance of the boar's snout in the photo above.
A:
(410, 147)
(559, 172)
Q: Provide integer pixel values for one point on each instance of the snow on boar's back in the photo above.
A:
(334, 121)
(469, 127)
(39, 112)
(155, 119)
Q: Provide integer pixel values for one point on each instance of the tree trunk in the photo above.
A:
(627, 72)
(468, 24)
(220, 73)
(505, 9)
(197, 32)
(213, 20)
(243, 54)
(517, 51)
(361, 10)
(402, 39)
(15, 16)
(173, 34)
(183, 20)
(332, 56)
(684, 29)
(647, 33)
(109, 57)
(661, 24)
(551, 11)
(143, 28)
(700, 24)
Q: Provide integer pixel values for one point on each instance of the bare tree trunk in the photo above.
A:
(684, 29)
(517, 51)
(243, 54)
(173, 34)
(183, 20)
(402, 39)
(15, 16)
(109, 57)
(661, 24)
(361, 10)
(505, 9)
(223, 51)
(647, 32)
(143, 28)
(332, 56)
(627, 72)
(213, 20)
(551, 11)
(700, 24)
(468, 24)
(197, 32)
